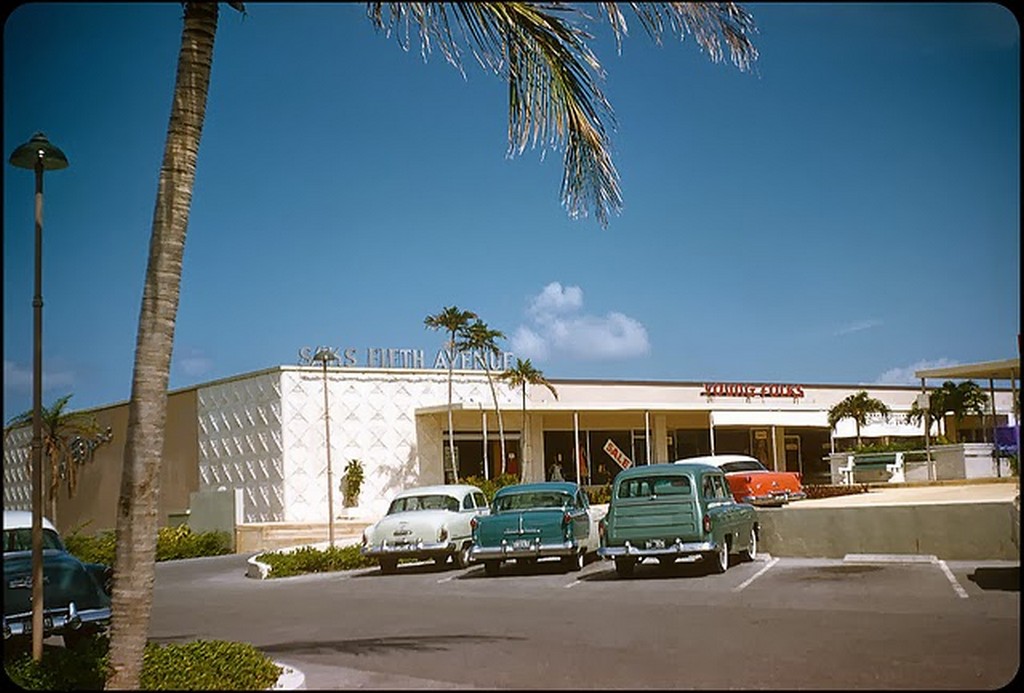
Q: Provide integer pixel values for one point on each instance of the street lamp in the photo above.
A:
(327, 355)
(38, 155)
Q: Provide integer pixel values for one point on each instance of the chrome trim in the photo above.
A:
(535, 550)
(385, 549)
(61, 620)
(677, 548)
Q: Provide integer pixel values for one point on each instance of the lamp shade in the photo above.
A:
(36, 149)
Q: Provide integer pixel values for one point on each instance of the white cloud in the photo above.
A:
(857, 326)
(559, 328)
(18, 378)
(194, 363)
(905, 375)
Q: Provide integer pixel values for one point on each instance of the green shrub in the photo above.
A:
(308, 559)
(599, 494)
(172, 543)
(491, 486)
(200, 665)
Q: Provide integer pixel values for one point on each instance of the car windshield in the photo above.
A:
(743, 466)
(525, 501)
(425, 502)
(645, 487)
(21, 540)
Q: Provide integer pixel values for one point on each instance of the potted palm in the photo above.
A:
(352, 483)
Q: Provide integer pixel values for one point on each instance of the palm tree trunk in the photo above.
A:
(497, 410)
(451, 429)
(137, 507)
(522, 452)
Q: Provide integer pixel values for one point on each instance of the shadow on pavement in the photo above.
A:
(420, 643)
(1004, 579)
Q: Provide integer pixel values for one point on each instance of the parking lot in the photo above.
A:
(859, 622)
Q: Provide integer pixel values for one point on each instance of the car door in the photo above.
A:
(581, 520)
(718, 502)
(731, 510)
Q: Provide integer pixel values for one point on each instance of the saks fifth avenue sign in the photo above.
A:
(383, 357)
(749, 390)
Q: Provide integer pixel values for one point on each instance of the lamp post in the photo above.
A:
(38, 155)
(327, 355)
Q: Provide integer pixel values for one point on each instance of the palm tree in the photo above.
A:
(453, 320)
(69, 441)
(962, 399)
(858, 407)
(483, 339)
(521, 375)
(936, 411)
(542, 52)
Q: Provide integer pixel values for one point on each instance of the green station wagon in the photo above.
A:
(671, 511)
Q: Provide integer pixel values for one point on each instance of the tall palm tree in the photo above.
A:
(936, 411)
(541, 50)
(520, 375)
(69, 441)
(453, 320)
(858, 407)
(483, 339)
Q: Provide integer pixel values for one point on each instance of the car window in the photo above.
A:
(721, 488)
(708, 487)
(743, 466)
(426, 502)
(481, 500)
(21, 540)
(645, 487)
(467, 502)
(524, 501)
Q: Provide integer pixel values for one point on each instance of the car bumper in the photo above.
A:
(774, 498)
(56, 622)
(687, 548)
(419, 549)
(535, 550)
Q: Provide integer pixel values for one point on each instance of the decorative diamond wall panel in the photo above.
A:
(17, 469)
(241, 445)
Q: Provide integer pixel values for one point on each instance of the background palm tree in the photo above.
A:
(453, 320)
(961, 399)
(936, 411)
(521, 375)
(542, 52)
(858, 407)
(69, 441)
(483, 339)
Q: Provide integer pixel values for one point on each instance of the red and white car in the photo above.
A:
(750, 482)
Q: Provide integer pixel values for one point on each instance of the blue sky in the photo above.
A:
(846, 213)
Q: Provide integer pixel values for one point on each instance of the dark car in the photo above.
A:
(76, 595)
(676, 511)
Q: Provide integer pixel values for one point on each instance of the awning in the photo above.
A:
(809, 419)
(1008, 369)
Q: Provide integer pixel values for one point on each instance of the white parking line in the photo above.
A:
(960, 591)
(572, 584)
(756, 575)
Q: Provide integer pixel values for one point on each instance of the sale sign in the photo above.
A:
(618, 455)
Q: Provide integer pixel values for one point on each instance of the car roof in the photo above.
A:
(719, 460)
(569, 487)
(661, 469)
(454, 490)
(22, 519)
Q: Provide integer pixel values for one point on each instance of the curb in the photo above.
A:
(291, 679)
(259, 570)
(888, 558)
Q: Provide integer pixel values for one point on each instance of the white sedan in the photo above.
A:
(429, 522)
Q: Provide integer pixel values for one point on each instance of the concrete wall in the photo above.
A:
(950, 531)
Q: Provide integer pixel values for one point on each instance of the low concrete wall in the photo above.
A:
(950, 531)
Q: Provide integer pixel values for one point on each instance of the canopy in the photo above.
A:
(1008, 369)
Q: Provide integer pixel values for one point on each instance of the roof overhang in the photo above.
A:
(1008, 369)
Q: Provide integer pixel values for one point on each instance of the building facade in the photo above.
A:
(265, 433)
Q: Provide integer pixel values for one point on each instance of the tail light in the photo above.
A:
(366, 539)
(442, 534)
(707, 524)
(474, 523)
(602, 528)
(566, 518)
